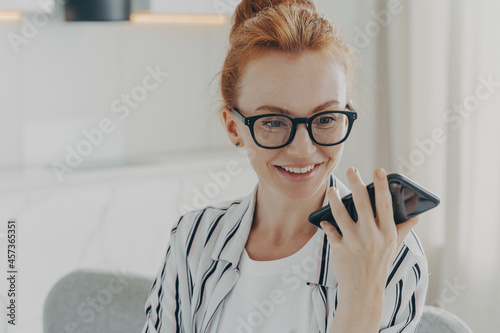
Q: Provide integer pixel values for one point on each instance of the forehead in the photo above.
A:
(297, 83)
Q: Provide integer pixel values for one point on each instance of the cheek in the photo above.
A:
(335, 152)
(254, 152)
(261, 158)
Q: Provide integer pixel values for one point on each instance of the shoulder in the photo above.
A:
(406, 288)
(415, 246)
(415, 249)
(199, 227)
(410, 261)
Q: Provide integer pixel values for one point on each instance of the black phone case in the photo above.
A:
(325, 213)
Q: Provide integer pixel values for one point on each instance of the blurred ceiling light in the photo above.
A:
(149, 17)
(10, 15)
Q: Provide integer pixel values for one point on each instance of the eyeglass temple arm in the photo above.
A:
(238, 115)
(350, 107)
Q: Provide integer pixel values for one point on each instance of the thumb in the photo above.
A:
(404, 228)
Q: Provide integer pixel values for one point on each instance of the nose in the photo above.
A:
(302, 144)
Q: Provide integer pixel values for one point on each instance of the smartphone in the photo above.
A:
(409, 199)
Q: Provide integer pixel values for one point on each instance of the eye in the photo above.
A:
(273, 123)
(323, 120)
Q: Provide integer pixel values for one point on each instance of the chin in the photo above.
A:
(300, 191)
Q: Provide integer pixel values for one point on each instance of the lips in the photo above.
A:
(299, 177)
(290, 167)
(299, 166)
(299, 170)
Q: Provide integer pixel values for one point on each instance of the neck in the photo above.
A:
(282, 218)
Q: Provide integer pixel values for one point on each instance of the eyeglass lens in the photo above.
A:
(274, 131)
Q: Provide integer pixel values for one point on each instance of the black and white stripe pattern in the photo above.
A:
(201, 266)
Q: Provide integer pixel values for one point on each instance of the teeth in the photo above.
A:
(297, 170)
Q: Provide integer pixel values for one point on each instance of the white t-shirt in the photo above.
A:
(271, 296)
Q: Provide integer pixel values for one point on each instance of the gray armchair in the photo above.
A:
(438, 320)
(87, 301)
(92, 301)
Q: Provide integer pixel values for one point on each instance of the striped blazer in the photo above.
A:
(201, 267)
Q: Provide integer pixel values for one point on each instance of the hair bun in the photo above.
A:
(249, 8)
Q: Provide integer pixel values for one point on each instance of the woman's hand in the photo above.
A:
(363, 256)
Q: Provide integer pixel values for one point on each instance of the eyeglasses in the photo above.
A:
(273, 131)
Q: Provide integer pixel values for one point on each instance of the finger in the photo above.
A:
(383, 201)
(331, 232)
(411, 203)
(404, 228)
(399, 208)
(339, 213)
(360, 196)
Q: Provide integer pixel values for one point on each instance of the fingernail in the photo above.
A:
(351, 170)
(381, 173)
(333, 189)
(322, 224)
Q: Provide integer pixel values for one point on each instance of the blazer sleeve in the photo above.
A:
(165, 302)
(407, 303)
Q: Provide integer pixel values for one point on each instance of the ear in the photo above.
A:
(230, 124)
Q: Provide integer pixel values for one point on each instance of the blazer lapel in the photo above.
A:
(223, 287)
(324, 283)
(227, 253)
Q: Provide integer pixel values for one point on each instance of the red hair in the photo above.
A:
(288, 26)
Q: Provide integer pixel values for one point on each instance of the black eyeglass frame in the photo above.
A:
(352, 115)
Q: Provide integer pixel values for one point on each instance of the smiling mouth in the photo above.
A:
(300, 170)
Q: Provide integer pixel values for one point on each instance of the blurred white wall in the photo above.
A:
(64, 78)
(71, 75)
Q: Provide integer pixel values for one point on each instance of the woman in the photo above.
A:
(256, 264)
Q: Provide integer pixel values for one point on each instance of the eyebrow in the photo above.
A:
(277, 109)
